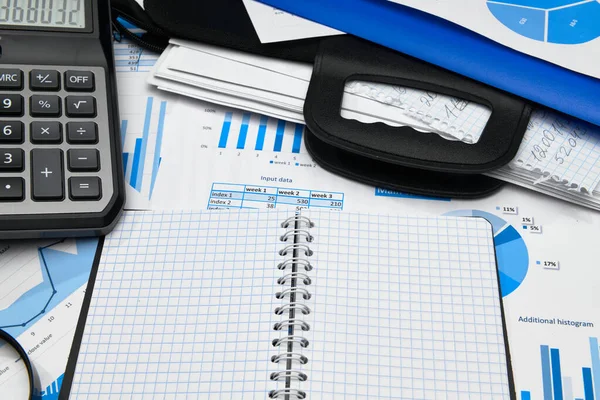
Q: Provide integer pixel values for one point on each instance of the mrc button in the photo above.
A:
(79, 81)
(11, 79)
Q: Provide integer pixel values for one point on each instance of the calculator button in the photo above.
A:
(47, 174)
(11, 79)
(82, 133)
(11, 104)
(44, 79)
(12, 189)
(46, 132)
(11, 160)
(45, 106)
(81, 106)
(83, 160)
(79, 81)
(85, 188)
(11, 132)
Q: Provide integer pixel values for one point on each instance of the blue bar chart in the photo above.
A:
(143, 164)
(248, 131)
(557, 386)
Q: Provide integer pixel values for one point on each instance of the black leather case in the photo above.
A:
(396, 158)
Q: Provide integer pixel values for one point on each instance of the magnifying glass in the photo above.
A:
(8, 340)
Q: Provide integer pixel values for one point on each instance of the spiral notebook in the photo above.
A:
(284, 305)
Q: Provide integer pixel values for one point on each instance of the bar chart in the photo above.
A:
(558, 386)
(143, 163)
(249, 131)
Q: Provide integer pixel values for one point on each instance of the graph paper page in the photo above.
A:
(404, 308)
(183, 308)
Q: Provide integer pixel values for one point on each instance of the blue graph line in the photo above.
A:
(123, 132)
(157, 148)
(262, 130)
(51, 392)
(595, 352)
(556, 374)
(587, 384)
(546, 373)
(124, 124)
(297, 138)
(225, 130)
(139, 176)
(525, 395)
(125, 160)
(43, 258)
(241, 143)
(279, 135)
(137, 155)
(139, 58)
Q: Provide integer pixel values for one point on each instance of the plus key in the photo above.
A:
(47, 174)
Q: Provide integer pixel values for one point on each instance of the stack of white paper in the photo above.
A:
(265, 85)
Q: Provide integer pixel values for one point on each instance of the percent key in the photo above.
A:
(45, 106)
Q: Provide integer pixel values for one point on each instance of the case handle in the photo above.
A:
(343, 59)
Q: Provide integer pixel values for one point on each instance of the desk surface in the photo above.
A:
(550, 269)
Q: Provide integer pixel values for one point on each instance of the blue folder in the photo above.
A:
(458, 49)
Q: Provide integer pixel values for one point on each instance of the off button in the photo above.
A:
(79, 81)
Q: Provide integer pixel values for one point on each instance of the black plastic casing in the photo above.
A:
(343, 59)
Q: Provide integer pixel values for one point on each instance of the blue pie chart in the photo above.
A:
(511, 252)
(552, 21)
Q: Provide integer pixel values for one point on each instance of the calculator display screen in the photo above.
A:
(69, 14)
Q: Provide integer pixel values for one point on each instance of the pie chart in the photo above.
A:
(511, 252)
(552, 21)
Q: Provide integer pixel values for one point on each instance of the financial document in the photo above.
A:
(42, 286)
(563, 32)
(273, 25)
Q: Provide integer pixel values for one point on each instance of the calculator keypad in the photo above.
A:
(55, 152)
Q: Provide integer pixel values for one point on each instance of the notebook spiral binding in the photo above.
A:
(295, 275)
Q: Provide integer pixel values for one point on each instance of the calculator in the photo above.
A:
(61, 171)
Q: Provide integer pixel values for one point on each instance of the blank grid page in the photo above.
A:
(404, 307)
(183, 308)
